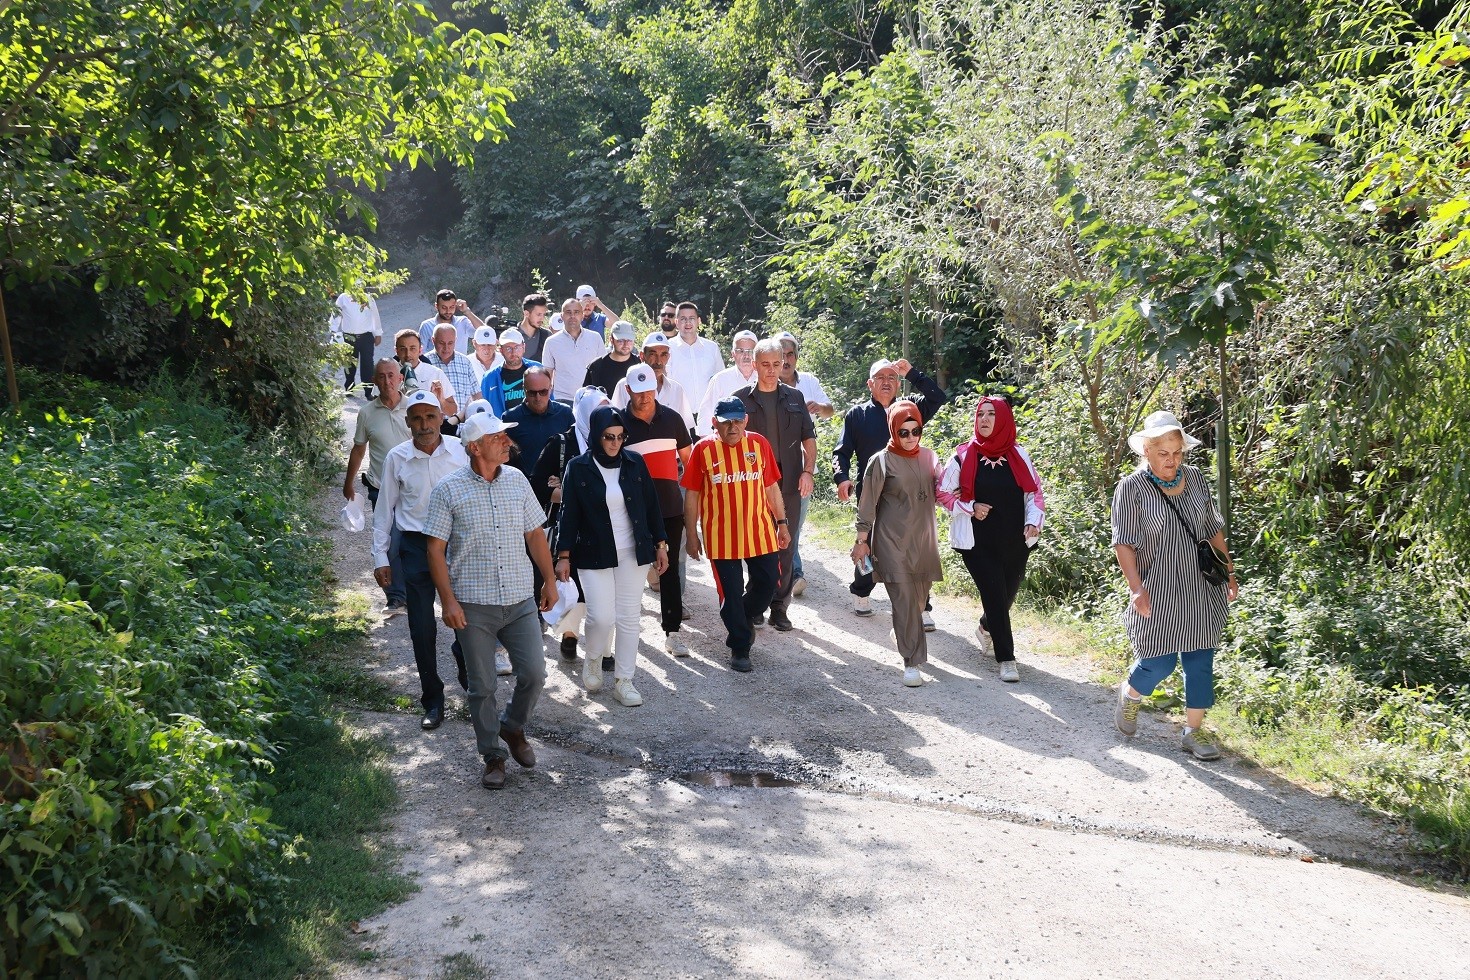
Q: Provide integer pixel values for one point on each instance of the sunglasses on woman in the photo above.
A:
(609, 437)
(909, 433)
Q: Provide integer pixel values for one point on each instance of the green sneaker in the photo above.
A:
(1201, 744)
(1126, 717)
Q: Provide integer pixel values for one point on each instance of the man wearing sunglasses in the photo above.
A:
(864, 432)
(538, 419)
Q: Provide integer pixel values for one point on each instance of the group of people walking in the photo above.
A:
(524, 495)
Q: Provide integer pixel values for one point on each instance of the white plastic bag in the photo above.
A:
(353, 518)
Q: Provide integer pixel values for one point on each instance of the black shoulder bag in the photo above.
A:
(1212, 564)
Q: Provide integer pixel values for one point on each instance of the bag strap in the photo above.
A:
(1172, 506)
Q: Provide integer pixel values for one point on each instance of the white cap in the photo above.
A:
(422, 397)
(486, 335)
(482, 424)
(655, 339)
(478, 407)
(583, 292)
(744, 335)
(641, 378)
(512, 336)
(786, 335)
(557, 323)
(881, 364)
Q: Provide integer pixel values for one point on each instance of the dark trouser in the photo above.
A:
(518, 628)
(422, 623)
(998, 575)
(394, 593)
(740, 602)
(363, 347)
(670, 591)
(785, 572)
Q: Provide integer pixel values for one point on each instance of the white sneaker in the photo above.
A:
(674, 645)
(591, 673)
(911, 677)
(987, 645)
(626, 694)
(928, 622)
(862, 605)
(798, 587)
(1009, 672)
(502, 662)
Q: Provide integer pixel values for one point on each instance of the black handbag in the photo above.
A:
(1212, 564)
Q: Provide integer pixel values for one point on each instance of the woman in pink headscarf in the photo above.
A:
(994, 499)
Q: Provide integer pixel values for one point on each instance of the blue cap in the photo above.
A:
(730, 410)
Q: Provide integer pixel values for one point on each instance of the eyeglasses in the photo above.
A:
(747, 351)
(889, 379)
(609, 437)
(909, 433)
(537, 392)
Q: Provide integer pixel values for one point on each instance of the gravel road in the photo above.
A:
(965, 828)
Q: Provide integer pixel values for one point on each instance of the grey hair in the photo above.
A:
(535, 369)
(386, 360)
(447, 326)
(768, 346)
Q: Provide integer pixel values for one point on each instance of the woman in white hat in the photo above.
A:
(1175, 615)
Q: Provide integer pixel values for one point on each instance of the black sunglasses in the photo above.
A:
(538, 392)
(609, 437)
(909, 433)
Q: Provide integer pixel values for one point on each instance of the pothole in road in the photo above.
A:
(736, 779)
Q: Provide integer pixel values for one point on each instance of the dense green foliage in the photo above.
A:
(160, 575)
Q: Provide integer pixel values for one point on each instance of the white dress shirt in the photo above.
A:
(721, 386)
(351, 318)
(692, 365)
(408, 478)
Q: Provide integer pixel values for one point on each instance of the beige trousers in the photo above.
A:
(908, 598)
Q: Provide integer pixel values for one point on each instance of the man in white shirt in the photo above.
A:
(568, 354)
(727, 382)
(669, 393)
(410, 473)
(419, 374)
(382, 424)
(486, 356)
(450, 309)
(362, 328)
(693, 360)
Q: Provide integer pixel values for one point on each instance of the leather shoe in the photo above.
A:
(740, 662)
(494, 777)
(433, 718)
(520, 749)
(779, 621)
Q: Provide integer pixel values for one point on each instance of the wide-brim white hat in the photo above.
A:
(1158, 424)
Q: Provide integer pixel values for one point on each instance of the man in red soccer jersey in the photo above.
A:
(734, 495)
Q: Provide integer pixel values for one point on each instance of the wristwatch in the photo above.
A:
(783, 521)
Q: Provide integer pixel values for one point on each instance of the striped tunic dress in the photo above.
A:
(1188, 613)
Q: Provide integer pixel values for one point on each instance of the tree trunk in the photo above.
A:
(9, 358)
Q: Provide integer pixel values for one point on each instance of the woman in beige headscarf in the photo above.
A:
(895, 529)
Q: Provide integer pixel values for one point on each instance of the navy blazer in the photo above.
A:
(585, 527)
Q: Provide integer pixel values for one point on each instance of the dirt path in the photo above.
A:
(966, 828)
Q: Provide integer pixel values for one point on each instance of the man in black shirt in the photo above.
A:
(778, 412)
(607, 371)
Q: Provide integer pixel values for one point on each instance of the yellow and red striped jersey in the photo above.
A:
(732, 482)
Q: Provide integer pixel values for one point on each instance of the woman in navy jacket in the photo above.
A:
(612, 530)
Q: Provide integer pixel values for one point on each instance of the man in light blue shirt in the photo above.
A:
(483, 520)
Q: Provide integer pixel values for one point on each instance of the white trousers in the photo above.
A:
(615, 598)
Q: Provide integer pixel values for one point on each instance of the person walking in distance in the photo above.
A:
(484, 532)
(864, 432)
(410, 473)
(733, 496)
(357, 318)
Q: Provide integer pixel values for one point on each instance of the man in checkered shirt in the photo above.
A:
(483, 519)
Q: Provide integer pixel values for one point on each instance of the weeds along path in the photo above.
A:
(967, 827)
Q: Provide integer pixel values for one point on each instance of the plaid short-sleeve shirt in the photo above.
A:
(485, 525)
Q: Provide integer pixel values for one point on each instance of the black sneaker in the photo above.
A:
(740, 662)
(779, 621)
(569, 647)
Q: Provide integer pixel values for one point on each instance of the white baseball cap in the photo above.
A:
(641, 378)
(486, 335)
(744, 335)
(482, 424)
(422, 397)
(478, 407)
(882, 364)
(583, 292)
(655, 339)
(512, 336)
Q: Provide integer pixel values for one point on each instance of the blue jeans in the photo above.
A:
(423, 626)
(1199, 675)
(796, 571)
(518, 628)
(394, 593)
